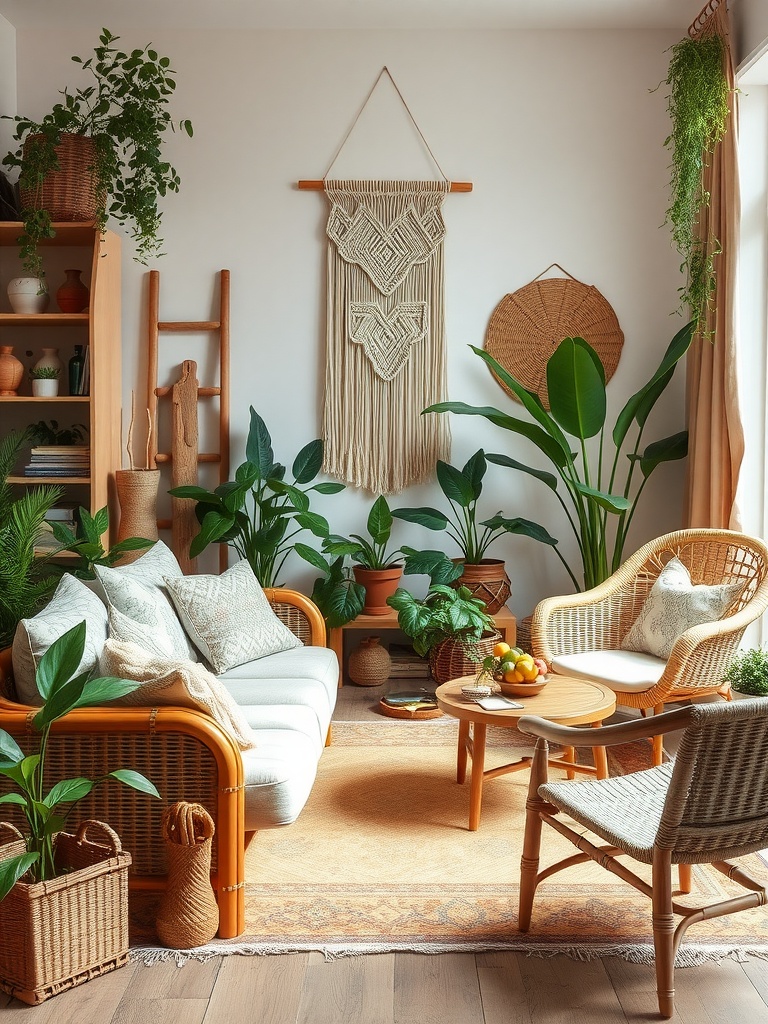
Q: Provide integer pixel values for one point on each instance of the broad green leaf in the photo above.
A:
(328, 487)
(62, 701)
(105, 688)
(336, 545)
(100, 522)
(13, 798)
(434, 564)
(212, 528)
(267, 539)
(246, 475)
(455, 486)
(521, 527)
(258, 447)
(345, 603)
(650, 397)
(68, 791)
(135, 780)
(315, 523)
(474, 471)
(576, 388)
(62, 533)
(614, 503)
(668, 449)
(297, 498)
(194, 492)
(431, 518)
(90, 527)
(28, 768)
(130, 544)
(541, 474)
(379, 523)
(60, 661)
(313, 557)
(10, 751)
(12, 869)
(308, 462)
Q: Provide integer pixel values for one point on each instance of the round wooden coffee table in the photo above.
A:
(564, 700)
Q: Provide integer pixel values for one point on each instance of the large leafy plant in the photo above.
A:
(598, 494)
(371, 552)
(259, 513)
(63, 689)
(462, 488)
(88, 545)
(444, 613)
(26, 581)
(124, 110)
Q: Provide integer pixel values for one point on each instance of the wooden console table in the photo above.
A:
(374, 624)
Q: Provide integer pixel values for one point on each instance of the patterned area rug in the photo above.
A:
(381, 859)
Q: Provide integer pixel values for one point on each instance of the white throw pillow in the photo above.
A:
(138, 590)
(229, 617)
(178, 683)
(150, 639)
(674, 605)
(72, 602)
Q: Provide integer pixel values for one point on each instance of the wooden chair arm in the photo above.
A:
(605, 735)
(308, 624)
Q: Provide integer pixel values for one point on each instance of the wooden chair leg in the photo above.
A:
(529, 862)
(684, 874)
(658, 741)
(663, 931)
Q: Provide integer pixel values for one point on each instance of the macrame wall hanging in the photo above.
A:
(385, 352)
(527, 326)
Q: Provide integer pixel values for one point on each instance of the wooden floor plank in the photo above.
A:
(266, 989)
(437, 989)
(147, 1011)
(553, 983)
(501, 989)
(194, 980)
(756, 969)
(350, 990)
(94, 1001)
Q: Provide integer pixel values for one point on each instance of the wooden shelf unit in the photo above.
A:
(99, 328)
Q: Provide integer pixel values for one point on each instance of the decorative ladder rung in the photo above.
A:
(188, 326)
(201, 457)
(207, 392)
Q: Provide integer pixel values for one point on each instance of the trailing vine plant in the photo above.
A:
(698, 107)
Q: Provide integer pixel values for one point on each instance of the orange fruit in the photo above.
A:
(500, 649)
(513, 676)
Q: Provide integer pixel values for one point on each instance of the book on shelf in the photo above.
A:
(85, 377)
(406, 663)
(65, 512)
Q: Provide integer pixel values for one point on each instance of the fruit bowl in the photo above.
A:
(524, 689)
(516, 673)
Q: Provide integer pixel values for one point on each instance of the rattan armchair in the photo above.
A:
(184, 752)
(709, 805)
(599, 619)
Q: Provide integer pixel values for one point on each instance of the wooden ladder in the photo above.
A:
(184, 456)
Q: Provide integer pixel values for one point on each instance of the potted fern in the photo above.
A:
(98, 152)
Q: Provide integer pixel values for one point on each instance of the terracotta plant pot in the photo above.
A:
(487, 580)
(379, 585)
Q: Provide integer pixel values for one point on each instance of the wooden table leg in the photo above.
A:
(461, 753)
(476, 783)
(600, 755)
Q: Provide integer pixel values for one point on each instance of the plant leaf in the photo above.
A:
(379, 523)
(521, 527)
(614, 503)
(431, 518)
(315, 523)
(13, 798)
(455, 486)
(308, 462)
(258, 447)
(60, 661)
(541, 474)
(576, 388)
(213, 527)
(474, 471)
(328, 487)
(668, 449)
(68, 791)
(12, 869)
(105, 688)
(313, 557)
(10, 751)
(135, 780)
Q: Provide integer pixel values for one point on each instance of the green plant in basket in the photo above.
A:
(748, 672)
(446, 613)
(63, 689)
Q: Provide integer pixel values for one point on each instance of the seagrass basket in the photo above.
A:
(71, 192)
(451, 659)
(60, 933)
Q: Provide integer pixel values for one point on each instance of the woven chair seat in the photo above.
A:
(624, 811)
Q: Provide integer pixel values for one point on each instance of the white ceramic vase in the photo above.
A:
(50, 359)
(25, 295)
(45, 387)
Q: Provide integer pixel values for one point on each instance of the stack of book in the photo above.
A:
(406, 664)
(66, 513)
(70, 460)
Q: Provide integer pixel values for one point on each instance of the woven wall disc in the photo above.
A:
(527, 326)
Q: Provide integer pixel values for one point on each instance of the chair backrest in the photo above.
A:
(717, 801)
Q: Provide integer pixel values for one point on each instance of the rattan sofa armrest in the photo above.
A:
(311, 626)
(605, 735)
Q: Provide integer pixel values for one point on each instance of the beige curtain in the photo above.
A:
(716, 438)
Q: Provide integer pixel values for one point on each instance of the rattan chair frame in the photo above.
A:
(184, 752)
(709, 816)
(600, 618)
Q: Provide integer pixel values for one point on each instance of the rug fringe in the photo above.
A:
(688, 956)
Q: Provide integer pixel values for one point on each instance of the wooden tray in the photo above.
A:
(419, 714)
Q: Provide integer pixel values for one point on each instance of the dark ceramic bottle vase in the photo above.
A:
(72, 296)
(76, 364)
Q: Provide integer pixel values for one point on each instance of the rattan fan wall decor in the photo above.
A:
(527, 326)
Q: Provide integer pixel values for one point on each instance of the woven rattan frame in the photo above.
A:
(527, 326)
(184, 752)
(70, 193)
(600, 618)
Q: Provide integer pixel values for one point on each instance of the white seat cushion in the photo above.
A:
(279, 775)
(291, 717)
(318, 663)
(623, 671)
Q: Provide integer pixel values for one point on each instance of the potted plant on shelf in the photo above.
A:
(748, 672)
(258, 513)
(485, 577)
(600, 519)
(98, 152)
(56, 889)
(449, 626)
(45, 381)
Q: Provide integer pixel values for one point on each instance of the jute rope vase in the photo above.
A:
(137, 493)
(188, 915)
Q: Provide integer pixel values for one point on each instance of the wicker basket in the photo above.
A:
(60, 933)
(451, 659)
(69, 194)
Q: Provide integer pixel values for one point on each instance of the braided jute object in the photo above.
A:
(188, 915)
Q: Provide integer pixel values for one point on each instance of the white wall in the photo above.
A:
(749, 20)
(562, 137)
(7, 81)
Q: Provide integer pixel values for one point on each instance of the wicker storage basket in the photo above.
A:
(451, 659)
(60, 933)
(69, 194)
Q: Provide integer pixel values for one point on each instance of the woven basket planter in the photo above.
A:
(487, 580)
(451, 659)
(370, 664)
(69, 194)
(60, 933)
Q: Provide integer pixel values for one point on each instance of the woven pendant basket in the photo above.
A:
(487, 580)
(69, 194)
(188, 915)
(370, 664)
(451, 659)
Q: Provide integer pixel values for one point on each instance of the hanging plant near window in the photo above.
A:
(698, 106)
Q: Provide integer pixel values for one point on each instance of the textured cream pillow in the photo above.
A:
(72, 602)
(229, 617)
(181, 683)
(674, 605)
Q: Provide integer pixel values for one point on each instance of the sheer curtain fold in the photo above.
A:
(716, 437)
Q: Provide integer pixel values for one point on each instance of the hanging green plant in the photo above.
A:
(698, 106)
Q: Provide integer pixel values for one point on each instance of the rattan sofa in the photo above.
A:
(185, 753)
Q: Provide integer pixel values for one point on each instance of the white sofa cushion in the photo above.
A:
(623, 671)
(229, 617)
(279, 775)
(72, 602)
(296, 666)
(674, 605)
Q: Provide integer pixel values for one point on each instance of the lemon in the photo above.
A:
(500, 649)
